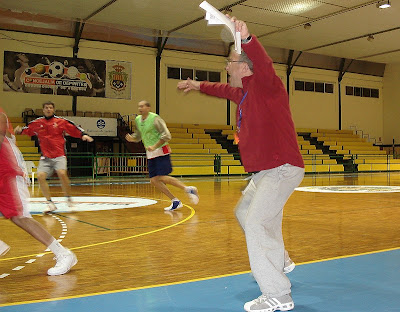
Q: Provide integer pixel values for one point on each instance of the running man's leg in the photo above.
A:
(160, 185)
(60, 166)
(44, 187)
(46, 169)
(16, 209)
(159, 169)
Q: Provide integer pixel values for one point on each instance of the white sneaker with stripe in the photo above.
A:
(266, 304)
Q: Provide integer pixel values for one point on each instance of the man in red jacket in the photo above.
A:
(14, 197)
(50, 131)
(268, 147)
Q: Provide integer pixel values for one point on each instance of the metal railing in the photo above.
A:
(111, 164)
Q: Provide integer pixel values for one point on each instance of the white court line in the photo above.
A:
(4, 275)
(18, 268)
(30, 261)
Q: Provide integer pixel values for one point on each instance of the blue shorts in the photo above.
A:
(159, 166)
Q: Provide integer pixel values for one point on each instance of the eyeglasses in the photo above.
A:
(228, 61)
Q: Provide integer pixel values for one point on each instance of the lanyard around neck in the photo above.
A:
(240, 112)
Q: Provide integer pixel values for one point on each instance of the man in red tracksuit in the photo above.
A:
(50, 131)
(268, 148)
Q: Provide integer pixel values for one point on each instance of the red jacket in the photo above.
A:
(50, 132)
(267, 137)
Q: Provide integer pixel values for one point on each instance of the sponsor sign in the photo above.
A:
(49, 74)
(96, 126)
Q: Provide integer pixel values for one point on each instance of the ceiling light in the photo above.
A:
(370, 38)
(307, 26)
(383, 4)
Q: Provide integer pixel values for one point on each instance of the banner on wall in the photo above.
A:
(49, 74)
(96, 126)
(118, 80)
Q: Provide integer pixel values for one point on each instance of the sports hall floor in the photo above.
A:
(342, 230)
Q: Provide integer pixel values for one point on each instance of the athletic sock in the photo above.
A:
(175, 199)
(57, 248)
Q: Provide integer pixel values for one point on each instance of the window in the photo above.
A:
(174, 73)
(309, 86)
(349, 90)
(319, 87)
(201, 75)
(363, 92)
(328, 87)
(195, 74)
(186, 73)
(299, 85)
(214, 76)
(366, 92)
(375, 93)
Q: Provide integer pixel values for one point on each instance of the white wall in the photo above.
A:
(391, 107)
(309, 109)
(366, 114)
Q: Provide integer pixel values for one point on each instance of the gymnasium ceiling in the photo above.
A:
(339, 28)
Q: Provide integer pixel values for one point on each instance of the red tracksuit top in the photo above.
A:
(267, 137)
(50, 132)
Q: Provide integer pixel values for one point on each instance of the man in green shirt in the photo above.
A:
(153, 132)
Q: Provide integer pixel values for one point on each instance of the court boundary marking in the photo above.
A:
(187, 281)
(192, 213)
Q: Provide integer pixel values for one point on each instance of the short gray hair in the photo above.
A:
(243, 58)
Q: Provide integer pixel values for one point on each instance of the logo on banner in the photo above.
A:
(101, 124)
(55, 75)
(118, 78)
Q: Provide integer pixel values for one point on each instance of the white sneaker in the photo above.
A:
(176, 204)
(71, 204)
(50, 207)
(289, 266)
(265, 304)
(4, 248)
(193, 194)
(64, 263)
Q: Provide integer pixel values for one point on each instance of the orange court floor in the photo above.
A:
(124, 239)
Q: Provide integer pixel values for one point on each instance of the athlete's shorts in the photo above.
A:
(159, 166)
(49, 165)
(14, 197)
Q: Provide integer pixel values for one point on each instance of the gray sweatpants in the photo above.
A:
(259, 213)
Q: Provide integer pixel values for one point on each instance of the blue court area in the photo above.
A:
(366, 283)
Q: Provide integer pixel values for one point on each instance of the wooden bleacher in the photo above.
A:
(194, 150)
(25, 144)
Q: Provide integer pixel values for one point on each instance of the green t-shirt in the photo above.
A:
(148, 132)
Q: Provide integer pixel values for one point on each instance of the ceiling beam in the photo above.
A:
(354, 38)
(379, 54)
(99, 10)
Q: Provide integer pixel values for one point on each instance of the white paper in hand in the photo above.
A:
(215, 17)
